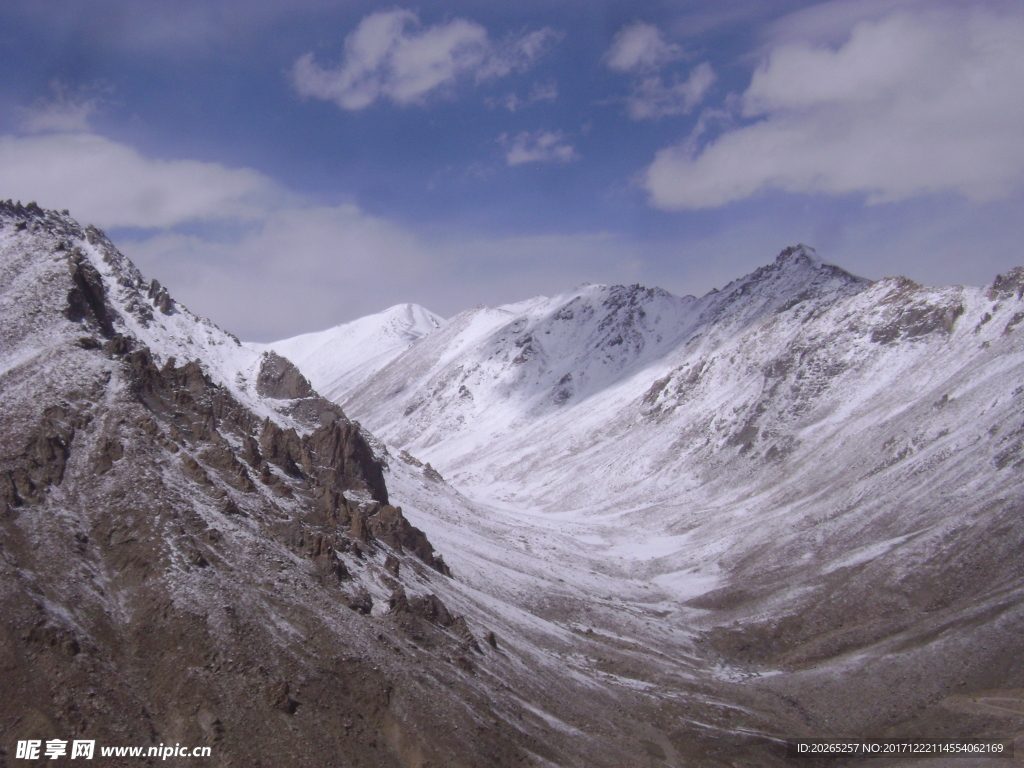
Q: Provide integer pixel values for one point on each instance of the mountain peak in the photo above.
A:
(341, 357)
(800, 254)
(796, 264)
(796, 277)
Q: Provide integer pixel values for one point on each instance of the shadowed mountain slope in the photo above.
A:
(197, 548)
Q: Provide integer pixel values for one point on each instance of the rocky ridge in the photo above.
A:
(195, 545)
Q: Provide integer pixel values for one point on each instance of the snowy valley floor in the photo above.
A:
(652, 624)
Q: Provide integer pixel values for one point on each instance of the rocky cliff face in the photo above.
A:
(196, 548)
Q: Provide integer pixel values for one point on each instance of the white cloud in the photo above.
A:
(298, 269)
(109, 184)
(652, 98)
(640, 50)
(282, 266)
(64, 112)
(640, 47)
(388, 56)
(517, 53)
(830, 22)
(305, 269)
(543, 92)
(922, 99)
(537, 147)
(355, 244)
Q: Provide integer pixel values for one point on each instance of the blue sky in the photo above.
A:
(286, 166)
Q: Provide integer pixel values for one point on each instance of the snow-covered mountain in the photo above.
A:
(678, 530)
(341, 358)
(538, 406)
(525, 386)
(805, 471)
(197, 548)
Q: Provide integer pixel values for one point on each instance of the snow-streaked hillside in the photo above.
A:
(617, 396)
(505, 401)
(186, 526)
(679, 530)
(806, 472)
(338, 360)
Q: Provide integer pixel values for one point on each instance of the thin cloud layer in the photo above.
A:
(652, 97)
(112, 185)
(641, 50)
(538, 147)
(916, 101)
(539, 92)
(297, 269)
(337, 254)
(64, 111)
(388, 56)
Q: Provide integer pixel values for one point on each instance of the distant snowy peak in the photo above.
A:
(798, 276)
(548, 352)
(412, 321)
(341, 358)
(578, 342)
(501, 365)
(800, 254)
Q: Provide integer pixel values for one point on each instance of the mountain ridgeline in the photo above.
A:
(195, 546)
(611, 527)
(810, 478)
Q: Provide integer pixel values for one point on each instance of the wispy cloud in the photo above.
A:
(337, 254)
(391, 56)
(652, 97)
(539, 92)
(642, 51)
(63, 111)
(537, 147)
(922, 99)
(296, 269)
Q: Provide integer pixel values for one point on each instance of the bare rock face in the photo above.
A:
(279, 379)
(178, 566)
(337, 451)
(387, 524)
(87, 297)
(42, 461)
(160, 298)
(1008, 286)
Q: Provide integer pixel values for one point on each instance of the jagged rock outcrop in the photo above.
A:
(280, 379)
(387, 524)
(193, 542)
(87, 298)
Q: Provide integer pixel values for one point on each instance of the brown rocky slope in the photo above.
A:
(197, 549)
